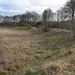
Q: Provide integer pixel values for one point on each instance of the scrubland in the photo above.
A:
(30, 51)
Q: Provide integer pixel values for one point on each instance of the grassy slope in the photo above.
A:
(34, 52)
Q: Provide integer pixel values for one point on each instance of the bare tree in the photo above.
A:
(1, 18)
(70, 6)
(28, 16)
(67, 12)
(63, 14)
(16, 18)
(71, 9)
(47, 17)
(35, 16)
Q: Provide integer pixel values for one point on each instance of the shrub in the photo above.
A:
(70, 52)
(3, 72)
(32, 72)
(55, 67)
(11, 68)
(37, 56)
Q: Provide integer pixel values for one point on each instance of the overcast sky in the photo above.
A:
(12, 7)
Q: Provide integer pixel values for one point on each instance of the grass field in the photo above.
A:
(30, 51)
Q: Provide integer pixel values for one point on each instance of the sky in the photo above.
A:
(13, 7)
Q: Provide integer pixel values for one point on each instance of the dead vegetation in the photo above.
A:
(36, 52)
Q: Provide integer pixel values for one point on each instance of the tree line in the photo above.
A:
(27, 17)
(67, 12)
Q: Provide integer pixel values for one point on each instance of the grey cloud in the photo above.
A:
(11, 7)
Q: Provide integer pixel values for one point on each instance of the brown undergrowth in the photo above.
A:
(36, 52)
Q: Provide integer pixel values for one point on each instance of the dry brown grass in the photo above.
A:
(12, 39)
(24, 49)
(16, 47)
(59, 67)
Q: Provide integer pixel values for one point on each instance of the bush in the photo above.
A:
(70, 52)
(11, 68)
(3, 72)
(55, 67)
(32, 72)
(38, 24)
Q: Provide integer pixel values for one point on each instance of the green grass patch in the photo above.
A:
(68, 43)
(56, 37)
(61, 55)
(24, 29)
(33, 72)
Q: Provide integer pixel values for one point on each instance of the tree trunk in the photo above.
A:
(73, 28)
(72, 14)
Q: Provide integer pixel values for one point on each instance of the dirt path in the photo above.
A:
(64, 30)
